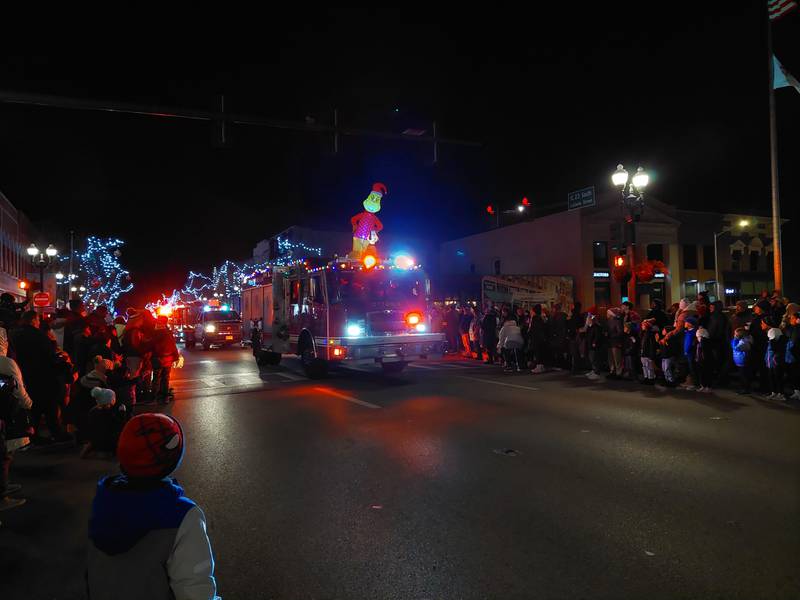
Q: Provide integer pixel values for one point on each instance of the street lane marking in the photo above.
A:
(418, 366)
(514, 385)
(346, 397)
(291, 376)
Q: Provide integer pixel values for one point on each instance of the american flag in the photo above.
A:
(778, 8)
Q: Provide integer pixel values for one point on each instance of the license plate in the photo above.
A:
(228, 337)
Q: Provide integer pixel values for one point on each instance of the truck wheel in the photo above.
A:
(314, 367)
(393, 367)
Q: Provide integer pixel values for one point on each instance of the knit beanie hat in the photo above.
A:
(104, 396)
(150, 446)
(692, 321)
(774, 333)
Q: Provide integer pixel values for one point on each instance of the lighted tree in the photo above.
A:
(106, 279)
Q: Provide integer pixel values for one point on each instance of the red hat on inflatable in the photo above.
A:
(150, 446)
(380, 188)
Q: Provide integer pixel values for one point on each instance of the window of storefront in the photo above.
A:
(600, 255)
(602, 293)
(708, 258)
(655, 252)
(689, 256)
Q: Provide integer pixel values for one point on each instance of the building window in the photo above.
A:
(497, 267)
(602, 293)
(689, 256)
(754, 260)
(655, 252)
(736, 260)
(600, 255)
(708, 257)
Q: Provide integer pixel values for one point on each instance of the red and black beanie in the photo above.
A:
(150, 446)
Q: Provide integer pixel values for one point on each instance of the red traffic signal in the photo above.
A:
(490, 209)
(23, 285)
(619, 261)
(526, 202)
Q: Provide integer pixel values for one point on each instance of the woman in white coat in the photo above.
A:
(9, 370)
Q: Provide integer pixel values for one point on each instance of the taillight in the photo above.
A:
(339, 352)
(413, 318)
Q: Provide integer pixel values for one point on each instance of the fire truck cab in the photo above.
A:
(342, 312)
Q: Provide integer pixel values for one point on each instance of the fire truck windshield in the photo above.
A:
(222, 315)
(388, 288)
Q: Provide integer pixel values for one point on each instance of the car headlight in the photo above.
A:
(420, 327)
(354, 329)
(211, 328)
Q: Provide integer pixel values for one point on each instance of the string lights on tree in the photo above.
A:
(106, 279)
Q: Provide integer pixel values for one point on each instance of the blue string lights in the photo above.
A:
(106, 279)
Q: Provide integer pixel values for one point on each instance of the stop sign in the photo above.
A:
(41, 299)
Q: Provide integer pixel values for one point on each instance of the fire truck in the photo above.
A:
(342, 312)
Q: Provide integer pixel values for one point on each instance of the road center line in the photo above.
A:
(514, 385)
(346, 397)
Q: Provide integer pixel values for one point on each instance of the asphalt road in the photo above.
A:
(452, 480)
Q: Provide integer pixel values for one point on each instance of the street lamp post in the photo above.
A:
(519, 209)
(632, 192)
(41, 260)
(743, 223)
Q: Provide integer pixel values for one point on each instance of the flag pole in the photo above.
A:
(773, 155)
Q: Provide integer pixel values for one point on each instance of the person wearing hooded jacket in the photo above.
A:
(147, 539)
(511, 343)
(741, 346)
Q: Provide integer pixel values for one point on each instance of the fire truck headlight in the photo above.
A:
(210, 328)
(413, 318)
(421, 327)
(354, 330)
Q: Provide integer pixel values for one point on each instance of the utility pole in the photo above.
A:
(777, 261)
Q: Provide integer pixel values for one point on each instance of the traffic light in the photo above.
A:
(490, 209)
(23, 285)
(526, 202)
(619, 261)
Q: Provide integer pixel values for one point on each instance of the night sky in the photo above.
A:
(557, 97)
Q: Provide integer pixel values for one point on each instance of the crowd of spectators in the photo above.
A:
(74, 377)
(696, 344)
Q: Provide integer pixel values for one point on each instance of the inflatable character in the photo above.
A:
(366, 225)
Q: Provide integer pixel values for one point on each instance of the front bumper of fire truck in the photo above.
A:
(385, 348)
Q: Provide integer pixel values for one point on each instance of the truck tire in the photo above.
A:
(393, 367)
(315, 367)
